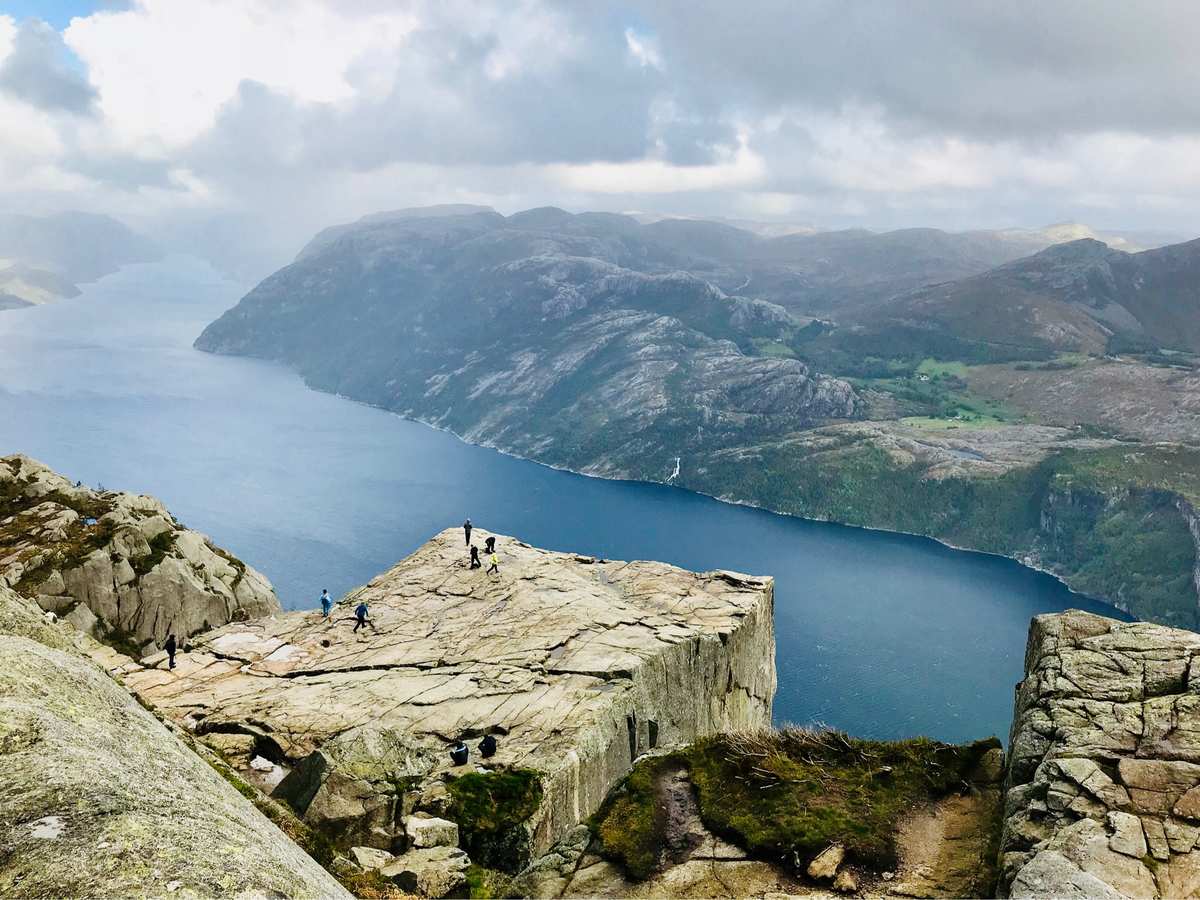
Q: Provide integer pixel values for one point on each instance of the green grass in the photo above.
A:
(934, 368)
(491, 810)
(769, 347)
(787, 795)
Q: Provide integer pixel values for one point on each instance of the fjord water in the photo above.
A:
(880, 634)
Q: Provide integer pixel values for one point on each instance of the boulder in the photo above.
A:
(426, 831)
(826, 863)
(845, 882)
(371, 857)
(431, 872)
(99, 798)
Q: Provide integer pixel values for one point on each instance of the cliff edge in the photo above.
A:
(575, 665)
(1103, 781)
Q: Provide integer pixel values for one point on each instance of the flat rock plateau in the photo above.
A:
(576, 665)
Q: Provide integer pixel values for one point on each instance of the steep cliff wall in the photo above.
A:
(99, 799)
(1103, 782)
(117, 565)
(576, 665)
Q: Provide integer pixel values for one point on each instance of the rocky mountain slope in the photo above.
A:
(98, 798)
(1081, 296)
(536, 334)
(576, 665)
(117, 565)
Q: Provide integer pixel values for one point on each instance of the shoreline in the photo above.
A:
(731, 501)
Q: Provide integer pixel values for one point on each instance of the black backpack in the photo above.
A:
(487, 747)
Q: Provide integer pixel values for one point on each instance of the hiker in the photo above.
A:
(326, 604)
(360, 613)
(489, 545)
(475, 563)
(171, 649)
(467, 530)
(495, 566)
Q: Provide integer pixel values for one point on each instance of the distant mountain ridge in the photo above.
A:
(43, 257)
(1079, 296)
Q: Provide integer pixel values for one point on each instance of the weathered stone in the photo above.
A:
(1156, 838)
(1127, 834)
(236, 748)
(91, 550)
(825, 865)
(433, 872)
(98, 798)
(427, 831)
(579, 667)
(845, 882)
(371, 857)
(1101, 696)
(1188, 806)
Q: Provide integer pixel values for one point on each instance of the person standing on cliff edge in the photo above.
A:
(467, 530)
(326, 604)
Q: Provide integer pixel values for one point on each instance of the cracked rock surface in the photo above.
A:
(577, 665)
(116, 565)
(1103, 784)
(99, 799)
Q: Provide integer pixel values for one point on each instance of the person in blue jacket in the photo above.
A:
(326, 604)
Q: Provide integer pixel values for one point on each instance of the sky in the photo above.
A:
(241, 127)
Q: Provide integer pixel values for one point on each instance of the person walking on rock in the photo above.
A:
(467, 530)
(360, 613)
(495, 566)
(170, 648)
(489, 545)
(326, 604)
(475, 563)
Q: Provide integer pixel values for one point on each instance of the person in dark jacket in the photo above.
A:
(489, 546)
(467, 530)
(170, 647)
(360, 613)
(475, 563)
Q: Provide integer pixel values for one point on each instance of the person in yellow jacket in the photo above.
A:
(495, 566)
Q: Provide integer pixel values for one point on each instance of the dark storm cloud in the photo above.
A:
(40, 72)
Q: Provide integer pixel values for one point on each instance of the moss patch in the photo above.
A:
(491, 810)
(484, 883)
(160, 546)
(787, 795)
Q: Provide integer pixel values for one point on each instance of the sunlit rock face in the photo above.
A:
(1103, 789)
(99, 799)
(575, 665)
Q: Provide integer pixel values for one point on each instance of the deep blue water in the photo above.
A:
(883, 635)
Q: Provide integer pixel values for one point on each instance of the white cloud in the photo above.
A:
(163, 69)
(8, 35)
(643, 49)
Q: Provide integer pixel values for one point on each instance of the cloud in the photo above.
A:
(276, 117)
(36, 69)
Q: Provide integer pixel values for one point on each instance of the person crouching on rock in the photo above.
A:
(475, 563)
(170, 647)
(360, 614)
(489, 545)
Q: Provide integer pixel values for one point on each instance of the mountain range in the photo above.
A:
(42, 258)
(896, 380)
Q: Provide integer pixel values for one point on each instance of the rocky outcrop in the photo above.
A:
(576, 665)
(117, 565)
(1104, 765)
(98, 798)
